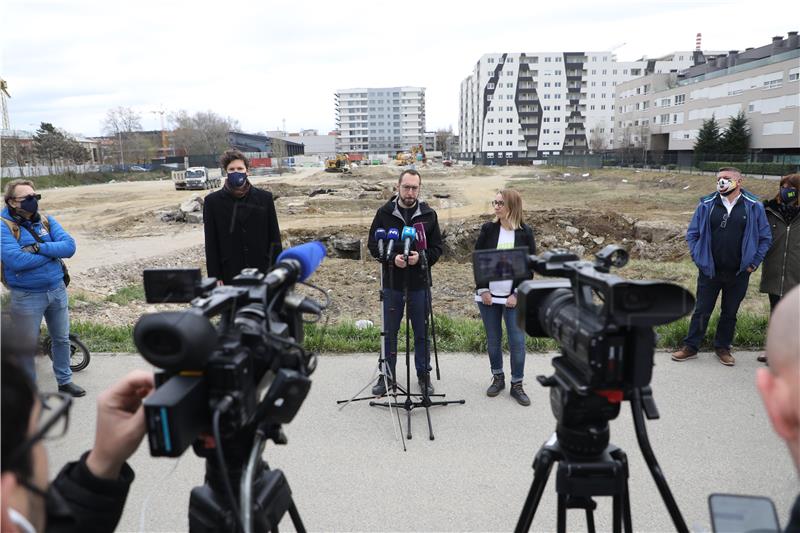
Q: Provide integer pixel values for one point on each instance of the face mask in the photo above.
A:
(236, 179)
(788, 195)
(30, 205)
(726, 186)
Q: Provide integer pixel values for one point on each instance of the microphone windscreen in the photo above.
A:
(309, 255)
(422, 239)
(409, 233)
(380, 234)
(393, 234)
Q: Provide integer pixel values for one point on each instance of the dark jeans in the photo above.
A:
(733, 290)
(493, 316)
(773, 301)
(393, 307)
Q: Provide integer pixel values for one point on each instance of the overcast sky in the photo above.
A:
(262, 62)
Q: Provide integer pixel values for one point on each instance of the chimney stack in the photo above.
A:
(793, 39)
(777, 41)
(733, 56)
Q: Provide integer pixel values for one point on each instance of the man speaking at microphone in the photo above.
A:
(405, 210)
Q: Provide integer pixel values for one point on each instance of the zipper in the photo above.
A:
(785, 253)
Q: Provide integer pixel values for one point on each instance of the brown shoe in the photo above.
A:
(762, 358)
(684, 354)
(725, 357)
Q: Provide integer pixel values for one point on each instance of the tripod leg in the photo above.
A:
(296, 520)
(561, 520)
(616, 513)
(590, 521)
(541, 471)
(408, 423)
(430, 426)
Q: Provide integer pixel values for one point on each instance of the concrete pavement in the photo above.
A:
(348, 473)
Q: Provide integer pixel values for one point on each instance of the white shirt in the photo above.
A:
(501, 290)
(728, 204)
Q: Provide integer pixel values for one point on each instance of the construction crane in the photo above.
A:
(4, 96)
(164, 144)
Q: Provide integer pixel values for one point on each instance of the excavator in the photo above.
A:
(340, 163)
(415, 155)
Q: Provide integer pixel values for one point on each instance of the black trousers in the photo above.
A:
(733, 288)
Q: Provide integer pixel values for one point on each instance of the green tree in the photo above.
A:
(735, 141)
(49, 143)
(708, 140)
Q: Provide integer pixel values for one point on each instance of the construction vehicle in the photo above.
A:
(340, 163)
(197, 178)
(415, 155)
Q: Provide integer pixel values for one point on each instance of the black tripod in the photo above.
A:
(582, 476)
(264, 496)
(425, 400)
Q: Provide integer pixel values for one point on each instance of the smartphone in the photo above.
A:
(735, 513)
(497, 265)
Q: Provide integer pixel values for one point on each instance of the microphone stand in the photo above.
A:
(382, 370)
(425, 401)
(429, 310)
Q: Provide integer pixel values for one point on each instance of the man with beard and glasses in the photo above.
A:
(240, 223)
(728, 238)
(405, 209)
(33, 247)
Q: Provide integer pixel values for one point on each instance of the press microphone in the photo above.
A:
(409, 234)
(380, 235)
(296, 264)
(422, 240)
(393, 235)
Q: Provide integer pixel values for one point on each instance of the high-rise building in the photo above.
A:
(525, 106)
(664, 112)
(380, 121)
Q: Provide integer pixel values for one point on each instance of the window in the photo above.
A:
(665, 102)
(603, 84)
(594, 84)
(679, 99)
(490, 85)
(605, 72)
(546, 119)
(509, 108)
(773, 84)
(490, 121)
(546, 96)
(558, 73)
(558, 96)
(547, 108)
(545, 131)
(602, 108)
(557, 107)
(509, 120)
(491, 108)
(548, 59)
(591, 108)
(509, 143)
(625, 71)
(558, 59)
(490, 143)
(490, 60)
(664, 118)
(593, 70)
(510, 60)
(557, 119)
(547, 84)
(557, 84)
(636, 72)
(509, 97)
(509, 84)
(794, 76)
(509, 73)
(509, 132)
(488, 97)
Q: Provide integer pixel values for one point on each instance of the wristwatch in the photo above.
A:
(35, 247)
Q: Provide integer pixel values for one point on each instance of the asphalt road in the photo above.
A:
(348, 472)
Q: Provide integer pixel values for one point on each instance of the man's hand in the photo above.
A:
(511, 301)
(120, 424)
(399, 262)
(413, 258)
(486, 298)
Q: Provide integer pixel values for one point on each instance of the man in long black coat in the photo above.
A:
(241, 226)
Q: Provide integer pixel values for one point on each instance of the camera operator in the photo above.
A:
(88, 494)
(32, 247)
(405, 209)
(779, 384)
(240, 223)
(497, 300)
(728, 238)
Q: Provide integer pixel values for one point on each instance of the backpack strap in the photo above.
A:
(13, 226)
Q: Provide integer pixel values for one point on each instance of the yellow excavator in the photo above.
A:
(413, 156)
(340, 163)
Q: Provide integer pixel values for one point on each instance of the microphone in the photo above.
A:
(296, 264)
(380, 235)
(422, 240)
(409, 235)
(393, 236)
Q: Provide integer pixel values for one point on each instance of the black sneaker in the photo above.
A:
(72, 389)
(380, 387)
(518, 394)
(425, 386)
(498, 384)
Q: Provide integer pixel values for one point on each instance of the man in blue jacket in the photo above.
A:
(32, 247)
(728, 238)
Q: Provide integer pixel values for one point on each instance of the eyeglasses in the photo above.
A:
(28, 197)
(52, 424)
(724, 221)
(410, 187)
(498, 203)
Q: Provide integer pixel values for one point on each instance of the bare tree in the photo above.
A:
(121, 120)
(597, 140)
(279, 150)
(203, 133)
(442, 139)
(16, 152)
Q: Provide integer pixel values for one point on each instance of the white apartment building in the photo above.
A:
(380, 121)
(525, 106)
(664, 112)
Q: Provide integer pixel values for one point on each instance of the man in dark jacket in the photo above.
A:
(240, 223)
(88, 494)
(728, 238)
(779, 384)
(405, 209)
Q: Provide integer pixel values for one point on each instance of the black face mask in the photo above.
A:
(30, 204)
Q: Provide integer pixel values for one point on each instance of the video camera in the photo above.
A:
(233, 368)
(603, 324)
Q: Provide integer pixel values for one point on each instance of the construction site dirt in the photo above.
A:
(120, 229)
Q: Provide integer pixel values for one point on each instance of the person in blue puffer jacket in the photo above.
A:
(33, 273)
(728, 238)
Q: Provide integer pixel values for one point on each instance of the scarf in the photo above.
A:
(239, 192)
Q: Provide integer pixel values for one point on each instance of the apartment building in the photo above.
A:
(525, 106)
(380, 121)
(664, 112)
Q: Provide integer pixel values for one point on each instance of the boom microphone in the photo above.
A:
(393, 236)
(422, 240)
(380, 235)
(296, 264)
(409, 235)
